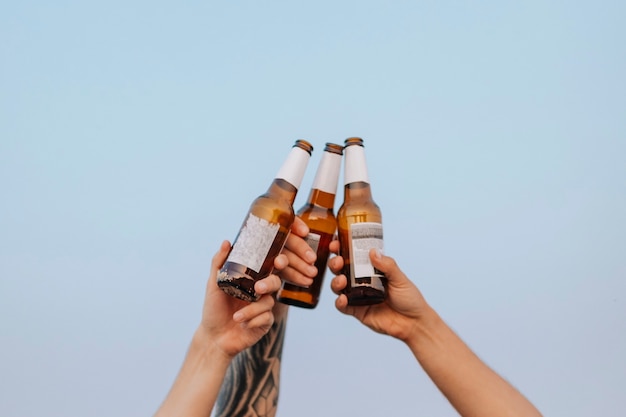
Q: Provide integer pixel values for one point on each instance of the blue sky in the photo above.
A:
(134, 135)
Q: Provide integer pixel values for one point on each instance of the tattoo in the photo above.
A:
(250, 388)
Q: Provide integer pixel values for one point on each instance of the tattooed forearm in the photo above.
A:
(250, 388)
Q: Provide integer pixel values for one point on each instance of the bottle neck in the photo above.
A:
(290, 174)
(355, 169)
(321, 198)
(282, 190)
(324, 186)
(292, 170)
(356, 180)
(357, 191)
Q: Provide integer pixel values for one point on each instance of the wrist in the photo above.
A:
(425, 331)
(204, 346)
(197, 385)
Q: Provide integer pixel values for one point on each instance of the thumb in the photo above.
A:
(220, 256)
(388, 266)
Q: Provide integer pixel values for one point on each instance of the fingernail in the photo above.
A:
(378, 254)
(262, 287)
(238, 316)
(310, 256)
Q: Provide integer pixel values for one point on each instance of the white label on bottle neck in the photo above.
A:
(294, 166)
(356, 168)
(365, 236)
(253, 242)
(328, 173)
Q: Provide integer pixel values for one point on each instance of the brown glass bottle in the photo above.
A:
(265, 228)
(318, 213)
(359, 223)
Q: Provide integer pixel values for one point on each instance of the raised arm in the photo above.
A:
(237, 337)
(252, 382)
(228, 326)
(471, 386)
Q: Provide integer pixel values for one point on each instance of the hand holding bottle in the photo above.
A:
(230, 325)
(471, 386)
(360, 228)
(318, 214)
(234, 324)
(265, 229)
(296, 262)
(398, 314)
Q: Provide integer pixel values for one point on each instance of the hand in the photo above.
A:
(234, 325)
(398, 314)
(231, 324)
(300, 257)
(295, 263)
(469, 384)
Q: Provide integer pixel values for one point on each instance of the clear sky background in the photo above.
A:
(134, 135)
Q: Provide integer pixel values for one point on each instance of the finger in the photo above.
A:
(388, 266)
(250, 311)
(218, 259)
(297, 246)
(341, 303)
(220, 255)
(294, 276)
(334, 246)
(302, 265)
(338, 284)
(299, 227)
(281, 262)
(267, 285)
(263, 321)
(336, 264)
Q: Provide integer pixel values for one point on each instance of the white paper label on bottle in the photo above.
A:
(313, 240)
(328, 173)
(294, 166)
(365, 236)
(254, 242)
(355, 169)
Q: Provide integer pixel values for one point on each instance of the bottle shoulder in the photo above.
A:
(315, 211)
(280, 192)
(274, 210)
(268, 200)
(358, 206)
(314, 207)
(319, 219)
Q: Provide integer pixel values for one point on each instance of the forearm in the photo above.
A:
(195, 389)
(466, 381)
(252, 381)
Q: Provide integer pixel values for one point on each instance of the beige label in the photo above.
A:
(253, 243)
(365, 236)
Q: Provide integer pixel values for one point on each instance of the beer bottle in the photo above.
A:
(359, 222)
(265, 228)
(318, 214)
